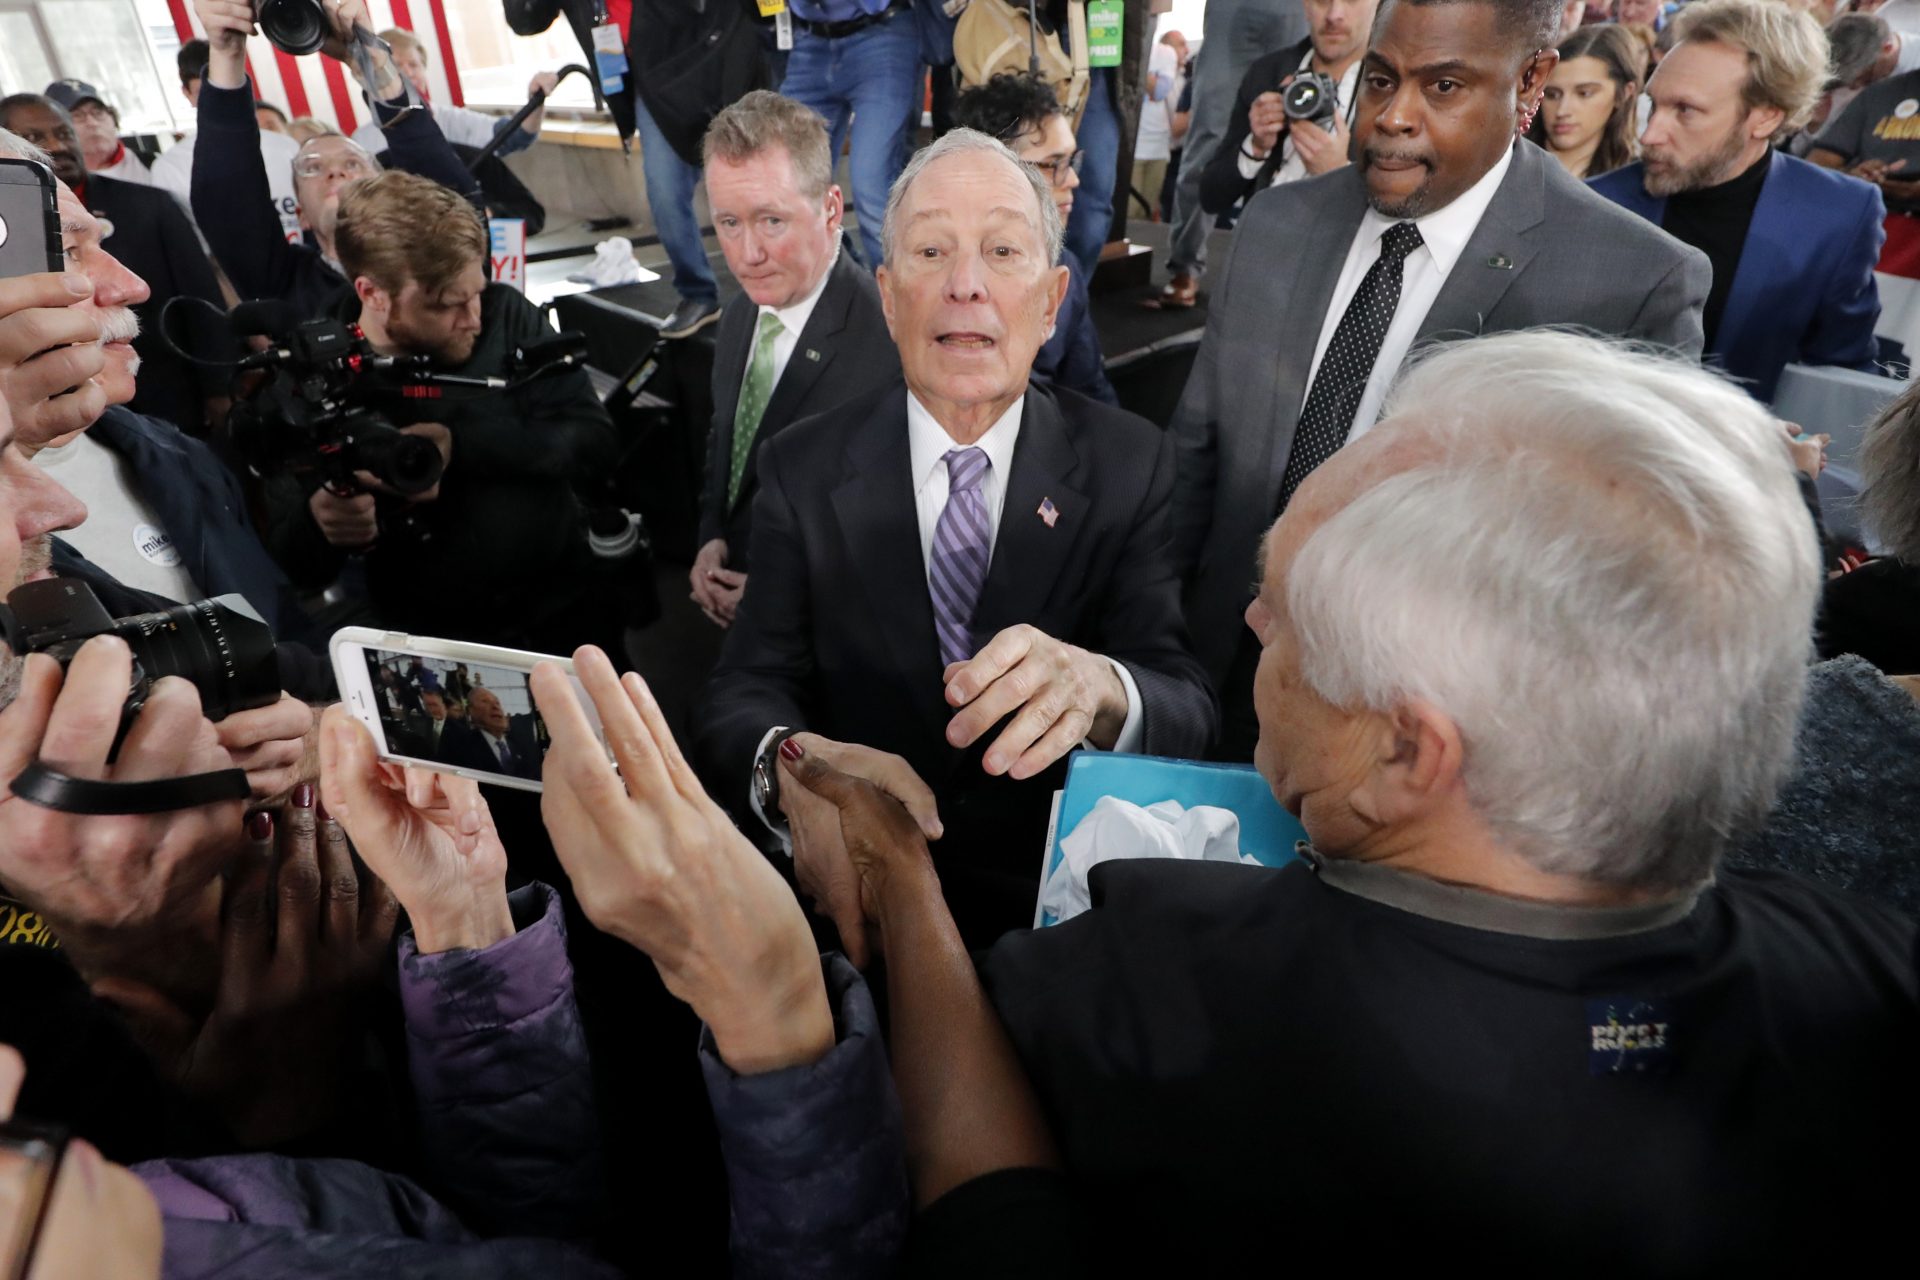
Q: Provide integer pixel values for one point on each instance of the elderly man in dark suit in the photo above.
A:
(1443, 227)
(490, 740)
(805, 332)
(958, 565)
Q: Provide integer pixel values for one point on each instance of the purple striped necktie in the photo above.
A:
(958, 565)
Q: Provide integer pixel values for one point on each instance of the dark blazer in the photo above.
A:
(835, 633)
(153, 238)
(1221, 186)
(463, 746)
(845, 351)
(1548, 251)
(1803, 292)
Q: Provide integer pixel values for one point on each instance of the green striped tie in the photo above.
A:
(754, 394)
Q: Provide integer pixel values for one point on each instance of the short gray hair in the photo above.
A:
(763, 120)
(1854, 41)
(1604, 574)
(18, 147)
(960, 141)
(1890, 475)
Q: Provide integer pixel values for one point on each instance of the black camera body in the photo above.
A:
(221, 645)
(297, 27)
(307, 418)
(1311, 98)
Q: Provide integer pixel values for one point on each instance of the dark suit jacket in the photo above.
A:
(1221, 186)
(1547, 252)
(835, 633)
(155, 241)
(1803, 292)
(463, 746)
(845, 351)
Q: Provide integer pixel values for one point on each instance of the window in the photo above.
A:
(495, 64)
(111, 44)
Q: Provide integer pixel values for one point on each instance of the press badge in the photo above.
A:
(609, 57)
(783, 30)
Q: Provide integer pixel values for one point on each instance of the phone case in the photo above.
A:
(451, 651)
(29, 219)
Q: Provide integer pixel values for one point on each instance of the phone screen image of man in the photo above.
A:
(464, 715)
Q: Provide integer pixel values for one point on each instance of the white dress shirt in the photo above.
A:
(1292, 167)
(793, 319)
(928, 445)
(1444, 233)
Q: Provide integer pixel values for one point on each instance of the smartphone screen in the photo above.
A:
(476, 717)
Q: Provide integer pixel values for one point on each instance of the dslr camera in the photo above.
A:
(306, 417)
(292, 26)
(1311, 98)
(221, 645)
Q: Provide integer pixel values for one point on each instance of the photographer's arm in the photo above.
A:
(293, 534)
(415, 142)
(232, 198)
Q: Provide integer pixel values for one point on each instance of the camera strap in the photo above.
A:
(51, 789)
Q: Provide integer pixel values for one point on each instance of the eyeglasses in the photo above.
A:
(30, 1156)
(321, 166)
(1058, 170)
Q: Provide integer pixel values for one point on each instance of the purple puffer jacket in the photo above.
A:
(499, 1067)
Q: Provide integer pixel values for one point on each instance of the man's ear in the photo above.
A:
(1417, 762)
(1764, 122)
(1534, 73)
(372, 297)
(836, 208)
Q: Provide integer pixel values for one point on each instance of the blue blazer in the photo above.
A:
(1803, 292)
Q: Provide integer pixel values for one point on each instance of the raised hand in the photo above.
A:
(428, 836)
(303, 936)
(49, 353)
(656, 863)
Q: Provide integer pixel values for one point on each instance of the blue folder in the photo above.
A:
(1268, 833)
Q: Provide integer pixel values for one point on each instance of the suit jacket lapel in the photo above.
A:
(875, 509)
(1773, 232)
(731, 346)
(1028, 551)
(1498, 251)
(1314, 273)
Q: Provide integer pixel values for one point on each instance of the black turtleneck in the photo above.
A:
(1714, 220)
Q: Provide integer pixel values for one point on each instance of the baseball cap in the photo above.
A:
(71, 93)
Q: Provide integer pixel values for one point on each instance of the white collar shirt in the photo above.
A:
(793, 319)
(928, 445)
(1444, 234)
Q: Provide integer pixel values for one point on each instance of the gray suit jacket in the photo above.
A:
(1547, 252)
(844, 352)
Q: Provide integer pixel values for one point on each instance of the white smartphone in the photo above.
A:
(464, 709)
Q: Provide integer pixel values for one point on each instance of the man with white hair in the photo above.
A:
(1532, 650)
(957, 564)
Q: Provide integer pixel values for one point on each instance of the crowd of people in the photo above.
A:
(1475, 533)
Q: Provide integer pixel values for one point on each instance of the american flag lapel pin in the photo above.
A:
(1049, 512)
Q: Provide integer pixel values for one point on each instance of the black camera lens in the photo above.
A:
(293, 26)
(1310, 97)
(406, 464)
(221, 645)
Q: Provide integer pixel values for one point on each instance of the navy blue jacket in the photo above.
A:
(232, 202)
(1071, 357)
(1803, 292)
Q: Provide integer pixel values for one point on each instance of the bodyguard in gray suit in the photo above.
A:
(1443, 227)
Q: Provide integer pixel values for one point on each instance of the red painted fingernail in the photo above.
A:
(260, 825)
(303, 796)
(792, 750)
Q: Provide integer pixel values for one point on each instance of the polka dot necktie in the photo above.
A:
(1342, 379)
(754, 394)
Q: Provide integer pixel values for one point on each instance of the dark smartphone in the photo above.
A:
(29, 219)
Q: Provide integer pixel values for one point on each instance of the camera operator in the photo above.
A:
(1263, 145)
(230, 180)
(497, 550)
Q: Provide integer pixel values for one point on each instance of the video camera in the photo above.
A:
(312, 415)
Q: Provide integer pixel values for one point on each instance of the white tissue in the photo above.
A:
(1118, 829)
(612, 264)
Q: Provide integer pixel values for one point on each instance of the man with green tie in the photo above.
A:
(805, 334)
